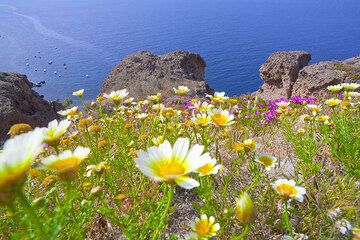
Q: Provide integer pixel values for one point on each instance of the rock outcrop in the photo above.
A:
(144, 73)
(20, 104)
(286, 74)
(279, 73)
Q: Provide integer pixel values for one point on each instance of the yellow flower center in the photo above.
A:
(219, 119)
(170, 170)
(286, 191)
(66, 164)
(203, 229)
(202, 121)
(267, 161)
(206, 169)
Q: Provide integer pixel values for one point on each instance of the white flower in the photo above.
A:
(141, 116)
(205, 227)
(221, 117)
(166, 163)
(267, 160)
(287, 189)
(218, 97)
(17, 156)
(70, 113)
(66, 161)
(181, 90)
(350, 86)
(55, 130)
(209, 168)
(117, 96)
(79, 93)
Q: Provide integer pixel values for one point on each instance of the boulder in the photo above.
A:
(279, 73)
(314, 79)
(144, 73)
(20, 104)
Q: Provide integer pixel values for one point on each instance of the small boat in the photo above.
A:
(50, 62)
(87, 76)
(27, 64)
(55, 72)
(44, 69)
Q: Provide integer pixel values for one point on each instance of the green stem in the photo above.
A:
(245, 232)
(33, 216)
(286, 220)
(170, 194)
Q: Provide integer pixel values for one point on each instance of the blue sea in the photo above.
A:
(88, 37)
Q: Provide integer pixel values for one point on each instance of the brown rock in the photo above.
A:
(20, 104)
(314, 79)
(144, 74)
(279, 73)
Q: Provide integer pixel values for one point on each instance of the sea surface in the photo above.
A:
(88, 37)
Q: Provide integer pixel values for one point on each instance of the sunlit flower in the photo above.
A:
(205, 227)
(141, 116)
(129, 100)
(55, 131)
(171, 164)
(245, 208)
(350, 86)
(335, 88)
(79, 93)
(117, 96)
(181, 90)
(351, 95)
(155, 98)
(250, 144)
(94, 129)
(84, 122)
(322, 118)
(287, 189)
(96, 169)
(301, 131)
(158, 140)
(306, 117)
(282, 104)
(67, 162)
(203, 106)
(19, 128)
(70, 113)
(158, 107)
(221, 117)
(209, 168)
(15, 160)
(201, 119)
(314, 109)
(239, 146)
(219, 97)
(267, 160)
(332, 102)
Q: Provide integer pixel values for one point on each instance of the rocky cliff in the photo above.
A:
(144, 73)
(20, 104)
(287, 74)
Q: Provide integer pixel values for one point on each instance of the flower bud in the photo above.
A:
(245, 208)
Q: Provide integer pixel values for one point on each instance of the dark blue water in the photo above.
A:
(234, 36)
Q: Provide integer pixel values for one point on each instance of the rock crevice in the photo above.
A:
(287, 74)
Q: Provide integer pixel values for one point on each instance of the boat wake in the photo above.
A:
(47, 32)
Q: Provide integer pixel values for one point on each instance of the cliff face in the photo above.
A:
(20, 104)
(144, 74)
(286, 74)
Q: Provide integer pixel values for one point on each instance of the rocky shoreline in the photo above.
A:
(285, 74)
